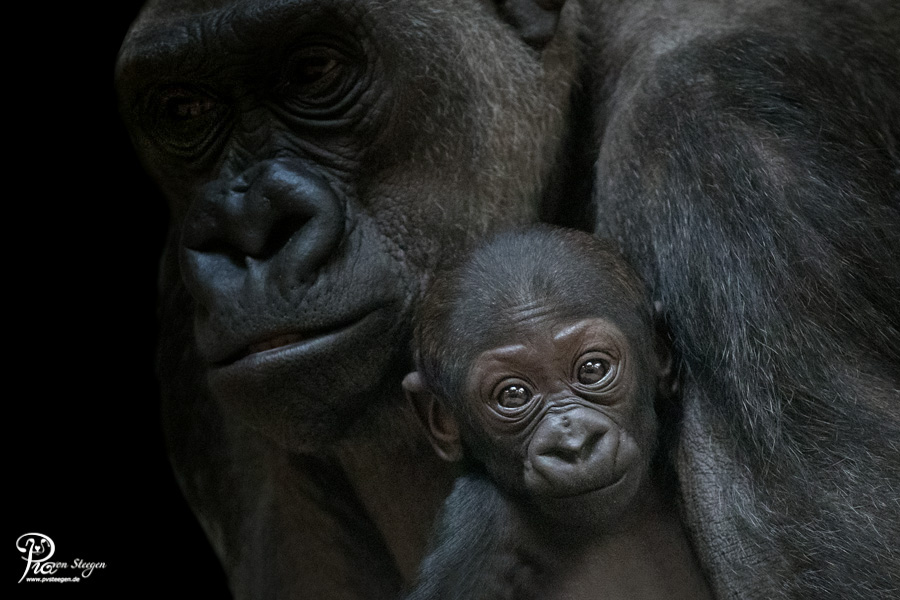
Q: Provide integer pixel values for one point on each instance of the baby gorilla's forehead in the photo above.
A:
(544, 346)
(542, 337)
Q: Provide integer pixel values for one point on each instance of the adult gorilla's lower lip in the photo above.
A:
(283, 347)
(275, 342)
(292, 387)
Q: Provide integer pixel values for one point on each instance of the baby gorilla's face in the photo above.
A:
(564, 414)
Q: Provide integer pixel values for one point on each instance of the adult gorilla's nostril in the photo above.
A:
(280, 215)
(307, 215)
(259, 214)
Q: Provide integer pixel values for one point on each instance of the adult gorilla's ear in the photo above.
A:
(666, 374)
(535, 20)
(440, 424)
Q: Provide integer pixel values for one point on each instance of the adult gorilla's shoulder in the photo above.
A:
(751, 168)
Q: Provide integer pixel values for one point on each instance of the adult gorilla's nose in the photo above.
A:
(276, 224)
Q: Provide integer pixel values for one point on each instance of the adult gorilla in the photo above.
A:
(321, 157)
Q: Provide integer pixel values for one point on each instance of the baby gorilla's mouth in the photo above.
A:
(592, 489)
(572, 453)
(561, 479)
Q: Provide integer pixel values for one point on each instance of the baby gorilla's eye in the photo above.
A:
(592, 371)
(513, 396)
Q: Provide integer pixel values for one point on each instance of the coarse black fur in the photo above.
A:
(473, 548)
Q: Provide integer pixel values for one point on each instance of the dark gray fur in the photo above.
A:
(746, 155)
(762, 205)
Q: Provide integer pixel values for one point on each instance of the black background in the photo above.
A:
(84, 230)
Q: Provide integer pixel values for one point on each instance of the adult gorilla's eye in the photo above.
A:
(312, 72)
(185, 119)
(513, 396)
(593, 371)
(318, 80)
(188, 107)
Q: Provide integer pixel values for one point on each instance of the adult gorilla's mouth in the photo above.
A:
(276, 342)
(302, 388)
(279, 346)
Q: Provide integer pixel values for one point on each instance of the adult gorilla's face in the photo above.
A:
(318, 158)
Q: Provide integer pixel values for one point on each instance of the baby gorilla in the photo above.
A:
(540, 369)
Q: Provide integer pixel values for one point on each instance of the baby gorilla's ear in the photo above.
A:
(440, 424)
(666, 376)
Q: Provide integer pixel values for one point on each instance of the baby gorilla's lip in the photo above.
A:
(600, 488)
(553, 472)
(596, 477)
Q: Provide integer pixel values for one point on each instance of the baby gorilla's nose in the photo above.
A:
(571, 452)
(569, 438)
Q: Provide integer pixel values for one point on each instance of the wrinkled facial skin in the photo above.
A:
(318, 157)
(564, 415)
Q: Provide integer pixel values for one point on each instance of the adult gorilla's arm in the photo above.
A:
(473, 553)
(753, 174)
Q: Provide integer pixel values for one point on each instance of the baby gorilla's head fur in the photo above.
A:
(538, 360)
